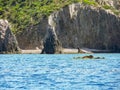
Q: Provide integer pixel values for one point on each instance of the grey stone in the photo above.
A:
(51, 42)
(87, 27)
(33, 35)
(79, 25)
(8, 42)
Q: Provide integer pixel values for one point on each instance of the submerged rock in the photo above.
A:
(88, 57)
(8, 42)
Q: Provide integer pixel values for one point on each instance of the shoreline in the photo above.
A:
(68, 51)
(38, 51)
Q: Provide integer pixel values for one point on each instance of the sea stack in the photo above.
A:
(51, 43)
(8, 42)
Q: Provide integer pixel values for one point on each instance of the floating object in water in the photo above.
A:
(89, 57)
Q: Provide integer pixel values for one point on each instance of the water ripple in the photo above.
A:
(59, 72)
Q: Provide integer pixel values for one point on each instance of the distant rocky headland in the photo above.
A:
(77, 25)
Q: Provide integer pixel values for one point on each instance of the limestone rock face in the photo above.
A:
(113, 3)
(87, 26)
(51, 43)
(79, 25)
(33, 36)
(8, 42)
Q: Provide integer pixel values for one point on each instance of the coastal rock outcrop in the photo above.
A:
(51, 43)
(8, 42)
(87, 26)
(79, 25)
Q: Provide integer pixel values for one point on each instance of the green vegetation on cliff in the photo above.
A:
(25, 13)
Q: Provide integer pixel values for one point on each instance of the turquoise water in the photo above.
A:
(59, 72)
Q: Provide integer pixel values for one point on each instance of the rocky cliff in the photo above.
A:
(113, 3)
(79, 25)
(8, 42)
(87, 26)
(51, 43)
(33, 36)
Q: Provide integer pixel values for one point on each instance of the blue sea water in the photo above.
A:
(59, 72)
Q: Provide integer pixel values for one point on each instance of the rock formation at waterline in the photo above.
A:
(8, 42)
(51, 43)
(87, 27)
(82, 26)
